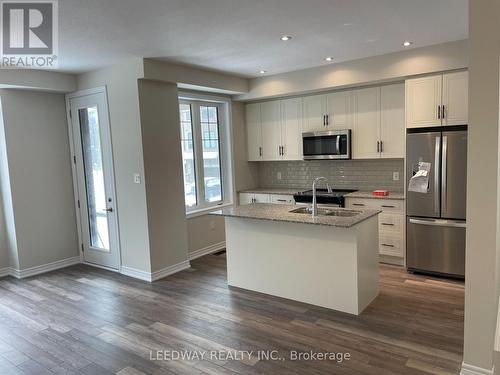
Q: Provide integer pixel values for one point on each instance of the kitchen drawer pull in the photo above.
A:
(358, 204)
(281, 200)
(388, 206)
(390, 224)
(387, 245)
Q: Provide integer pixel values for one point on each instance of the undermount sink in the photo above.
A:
(326, 212)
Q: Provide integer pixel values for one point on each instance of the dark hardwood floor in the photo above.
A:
(83, 320)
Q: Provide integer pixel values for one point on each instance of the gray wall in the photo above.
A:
(482, 251)
(163, 176)
(42, 212)
(353, 174)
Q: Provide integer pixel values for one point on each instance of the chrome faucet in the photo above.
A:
(314, 204)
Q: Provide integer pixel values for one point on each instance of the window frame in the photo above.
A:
(225, 152)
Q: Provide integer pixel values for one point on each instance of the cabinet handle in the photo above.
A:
(439, 112)
(358, 204)
(381, 146)
(388, 224)
(443, 116)
(327, 120)
(324, 120)
(260, 151)
(282, 200)
(387, 245)
(283, 150)
(378, 146)
(387, 206)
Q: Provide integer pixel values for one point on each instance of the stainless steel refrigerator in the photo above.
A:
(435, 228)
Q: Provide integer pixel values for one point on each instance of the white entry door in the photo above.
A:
(94, 178)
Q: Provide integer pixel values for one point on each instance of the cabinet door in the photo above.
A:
(392, 121)
(271, 130)
(455, 98)
(366, 127)
(291, 128)
(314, 112)
(339, 110)
(246, 198)
(254, 132)
(423, 98)
(262, 198)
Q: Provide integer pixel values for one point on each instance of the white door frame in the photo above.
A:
(76, 94)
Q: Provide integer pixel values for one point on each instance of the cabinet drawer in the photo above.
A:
(391, 223)
(261, 198)
(282, 199)
(390, 245)
(391, 205)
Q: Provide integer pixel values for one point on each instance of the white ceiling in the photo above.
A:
(243, 36)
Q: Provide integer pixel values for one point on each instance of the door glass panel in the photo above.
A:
(94, 178)
(211, 154)
(188, 165)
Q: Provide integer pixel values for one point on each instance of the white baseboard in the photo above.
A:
(167, 271)
(207, 250)
(32, 271)
(474, 370)
(152, 276)
(5, 271)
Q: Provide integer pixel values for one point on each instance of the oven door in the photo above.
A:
(327, 145)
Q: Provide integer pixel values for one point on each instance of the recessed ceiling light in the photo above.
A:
(262, 71)
(407, 43)
(329, 58)
(285, 38)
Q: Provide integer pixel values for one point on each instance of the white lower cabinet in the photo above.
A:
(247, 198)
(391, 223)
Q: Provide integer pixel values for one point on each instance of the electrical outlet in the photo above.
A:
(278, 175)
(395, 176)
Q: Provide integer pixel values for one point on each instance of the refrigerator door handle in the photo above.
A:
(444, 163)
(440, 223)
(437, 153)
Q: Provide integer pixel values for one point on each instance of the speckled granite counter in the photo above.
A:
(368, 194)
(278, 212)
(284, 191)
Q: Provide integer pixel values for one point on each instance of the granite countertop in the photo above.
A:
(279, 212)
(368, 194)
(284, 191)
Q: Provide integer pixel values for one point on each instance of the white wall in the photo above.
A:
(384, 68)
(481, 285)
(123, 101)
(42, 212)
(41, 80)
(163, 177)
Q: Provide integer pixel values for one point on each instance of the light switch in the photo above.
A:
(137, 178)
(395, 176)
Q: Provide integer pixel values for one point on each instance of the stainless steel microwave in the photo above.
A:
(333, 144)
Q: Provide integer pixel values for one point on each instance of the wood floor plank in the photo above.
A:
(84, 320)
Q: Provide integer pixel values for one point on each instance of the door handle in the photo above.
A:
(437, 153)
(440, 223)
(109, 209)
(444, 167)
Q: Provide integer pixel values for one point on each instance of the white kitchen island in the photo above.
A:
(328, 261)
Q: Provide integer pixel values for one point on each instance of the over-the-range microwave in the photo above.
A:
(332, 144)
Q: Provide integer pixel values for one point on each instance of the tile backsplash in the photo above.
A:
(355, 174)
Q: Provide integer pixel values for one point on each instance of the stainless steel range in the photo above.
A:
(323, 197)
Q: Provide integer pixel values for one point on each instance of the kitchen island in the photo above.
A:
(330, 260)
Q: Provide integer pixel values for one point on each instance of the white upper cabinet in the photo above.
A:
(291, 129)
(423, 101)
(392, 121)
(455, 98)
(271, 130)
(366, 123)
(437, 100)
(338, 111)
(314, 113)
(254, 131)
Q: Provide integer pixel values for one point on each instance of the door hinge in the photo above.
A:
(82, 249)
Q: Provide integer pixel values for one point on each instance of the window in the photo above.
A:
(204, 159)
